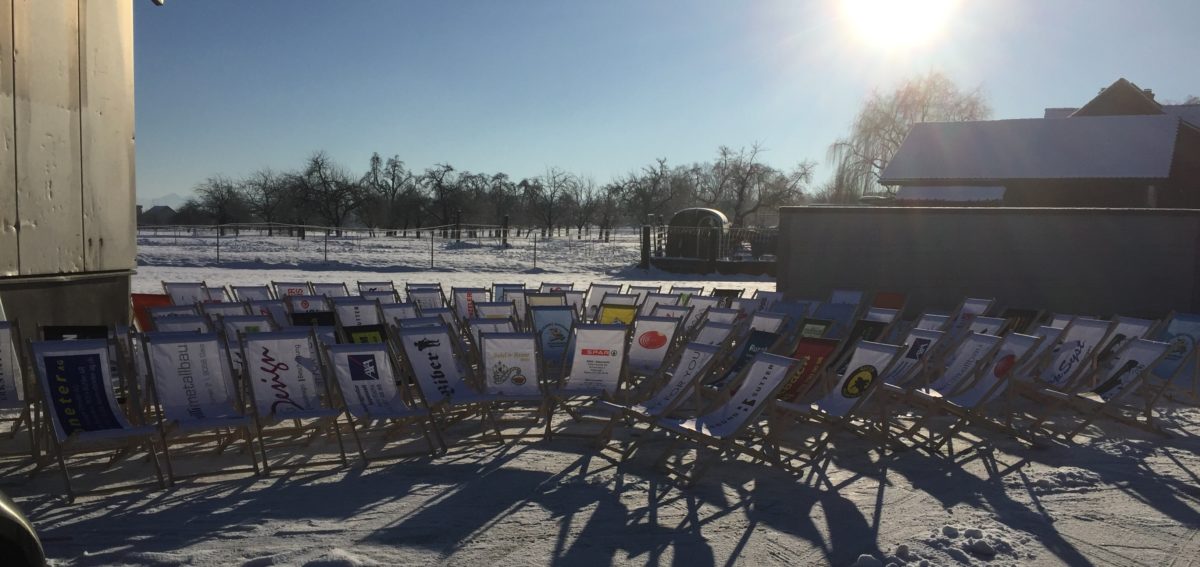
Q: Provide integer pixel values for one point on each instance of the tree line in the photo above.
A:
(387, 194)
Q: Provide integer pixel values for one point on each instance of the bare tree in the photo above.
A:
(218, 198)
(544, 196)
(883, 123)
(265, 194)
(329, 190)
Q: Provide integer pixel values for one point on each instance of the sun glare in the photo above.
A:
(897, 23)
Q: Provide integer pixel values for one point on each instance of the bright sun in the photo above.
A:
(897, 23)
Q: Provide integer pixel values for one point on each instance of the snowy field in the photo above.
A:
(1119, 497)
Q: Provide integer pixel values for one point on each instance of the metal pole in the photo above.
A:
(535, 250)
(430, 250)
(218, 245)
(327, 245)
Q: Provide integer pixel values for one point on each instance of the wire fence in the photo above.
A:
(704, 243)
(463, 246)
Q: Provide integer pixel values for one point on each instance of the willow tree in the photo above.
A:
(884, 121)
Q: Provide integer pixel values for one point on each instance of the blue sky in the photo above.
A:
(599, 88)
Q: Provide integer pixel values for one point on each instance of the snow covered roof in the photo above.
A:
(1081, 147)
(955, 193)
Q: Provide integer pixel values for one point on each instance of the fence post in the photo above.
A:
(714, 242)
(645, 263)
(218, 246)
(504, 232)
(458, 226)
(327, 245)
(431, 235)
(535, 250)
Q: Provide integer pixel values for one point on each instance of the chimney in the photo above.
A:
(1149, 93)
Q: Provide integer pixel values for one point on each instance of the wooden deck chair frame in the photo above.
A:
(849, 387)
(1092, 407)
(359, 311)
(62, 444)
(330, 289)
(427, 297)
(475, 327)
(641, 291)
(548, 287)
(275, 309)
(560, 394)
(381, 285)
(464, 306)
(1185, 338)
(366, 422)
(615, 313)
(226, 433)
(14, 370)
(506, 404)
(595, 296)
(261, 292)
(749, 438)
(654, 338)
(286, 289)
(322, 419)
(446, 411)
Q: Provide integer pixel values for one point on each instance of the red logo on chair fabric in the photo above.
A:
(1004, 366)
(652, 340)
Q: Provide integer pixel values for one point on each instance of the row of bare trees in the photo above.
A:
(392, 197)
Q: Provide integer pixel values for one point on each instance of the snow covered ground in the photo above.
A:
(1119, 497)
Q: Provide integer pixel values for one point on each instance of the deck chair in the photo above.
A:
(652, 300)
(478, 326)
(552, 326)
(183, 323)
(838, 409)
(693, 362)
(730, 429)
(654, 339)
(810, 328)
(575, 299)
(724, 315)
(15, 394)
(376, 400)
(677, 312)
(555, 287)
(969, 406)
(214, 311)
(700, 305)
(686, 290)
(443, 379)
(290, 289)
(275, 309)
(384, 297)
(747, 305)
(82, 410)
(331, 289)
(881, 314)
(142, 303)
(847, 297)
(192, 387)
(354, 311)
(723, 379)
(1074, 353)
(232, 328)
(967, 311)
(767, 299)
(377, 286)
(246, 293)
(163, 312)
(863, 330)
(500, 292)
(843, 316)
(595, 296)
(611, 313)
(464, 300)
(714, 334)
(191, 293)
(725, 295)
(427, 298)
(813, 356)
(1021, 320)
(1131, 365)
(893, 300)
(510, 374)
(932, 322)
(642, 290)
(595, 369)
(393, 313)
(767, 321)
(287, 385)
(1178, 368)
(308, 304)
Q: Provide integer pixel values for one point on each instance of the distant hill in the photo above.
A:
(173, 200)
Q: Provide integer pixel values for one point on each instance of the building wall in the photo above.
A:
(1140, 262)
(66, 148)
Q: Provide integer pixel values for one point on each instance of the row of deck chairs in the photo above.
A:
(736, 377)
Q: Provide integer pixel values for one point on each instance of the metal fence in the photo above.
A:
(714, 243)
(438, 247)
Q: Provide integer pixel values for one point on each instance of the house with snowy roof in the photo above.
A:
(1121, 149)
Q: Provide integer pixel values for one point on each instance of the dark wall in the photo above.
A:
(1090, 261)
(91, 299)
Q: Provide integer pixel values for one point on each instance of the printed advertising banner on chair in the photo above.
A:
(189, 376)
(652, 338)
(510, 365)
(283, 373)
(552, 325)
(365, 375)
(596, 359)
(78, 386)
